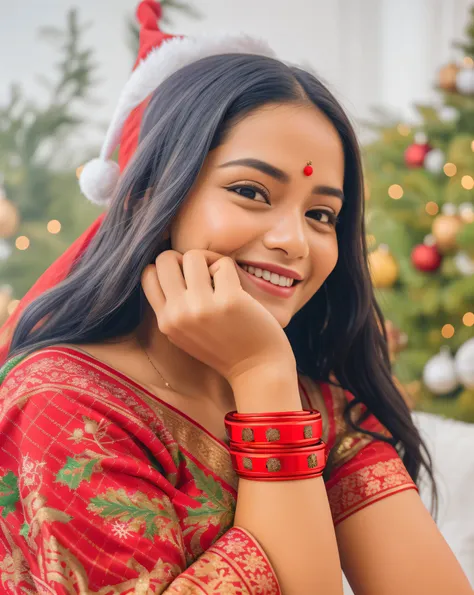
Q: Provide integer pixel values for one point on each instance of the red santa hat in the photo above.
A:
(160, 55)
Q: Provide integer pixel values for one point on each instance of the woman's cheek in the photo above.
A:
(324, 256)
(229, 228)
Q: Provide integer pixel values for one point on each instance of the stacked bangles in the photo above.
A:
(279, 446)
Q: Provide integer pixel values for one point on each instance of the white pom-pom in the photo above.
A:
(98, 180)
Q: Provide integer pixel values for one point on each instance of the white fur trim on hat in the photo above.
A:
(99, 177)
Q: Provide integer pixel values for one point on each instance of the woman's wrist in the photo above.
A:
(266, 389)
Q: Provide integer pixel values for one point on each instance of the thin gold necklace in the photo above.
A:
(167, 384)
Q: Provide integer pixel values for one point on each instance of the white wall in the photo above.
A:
(371, 52)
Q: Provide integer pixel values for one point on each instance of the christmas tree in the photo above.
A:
(41, 209)
(420, 221)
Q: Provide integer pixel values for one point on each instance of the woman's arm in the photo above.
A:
(394, 546)
(291, 520)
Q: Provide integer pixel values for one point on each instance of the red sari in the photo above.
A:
(106, 489)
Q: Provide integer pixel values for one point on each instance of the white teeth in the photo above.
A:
(272, 278)
(275, 279)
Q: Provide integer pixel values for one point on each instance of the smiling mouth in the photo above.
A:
(268, 276)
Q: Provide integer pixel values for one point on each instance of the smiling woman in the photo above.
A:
(213, 335)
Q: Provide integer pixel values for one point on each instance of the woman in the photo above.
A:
(238, 214)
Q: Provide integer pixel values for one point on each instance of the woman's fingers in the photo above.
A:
(226, 278)
(170, 275)
(196, 272)
(152, 288)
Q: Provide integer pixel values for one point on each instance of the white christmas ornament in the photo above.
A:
(465, 81)
(464, 363)
(464, 264)
(439, 373)
(448, 114)
(434, 161)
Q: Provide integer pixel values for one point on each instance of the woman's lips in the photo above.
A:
(276, 290)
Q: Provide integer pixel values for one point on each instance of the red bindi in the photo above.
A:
(308, 170)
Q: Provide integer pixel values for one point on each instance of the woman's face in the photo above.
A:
(253, 202)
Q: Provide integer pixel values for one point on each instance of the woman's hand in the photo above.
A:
(201, 307)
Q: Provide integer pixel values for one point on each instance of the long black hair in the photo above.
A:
(337, 334)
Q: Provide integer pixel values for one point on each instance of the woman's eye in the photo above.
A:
(325, 217)
(250, 192)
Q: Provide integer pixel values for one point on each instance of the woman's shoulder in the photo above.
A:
(61, 374)
(331, 400)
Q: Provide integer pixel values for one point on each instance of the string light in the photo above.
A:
(54, 226)
(467, 182)
(447, 331)
(450, 169)
(403, 129)
(468, 319)
(22, 243)
(395, 191)
(432, 208)
(12, 306)
(468, 62)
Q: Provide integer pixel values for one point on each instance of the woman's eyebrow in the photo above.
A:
(262, 166)
(281, 176)
(329, 191)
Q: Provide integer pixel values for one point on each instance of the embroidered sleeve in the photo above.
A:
(363, 469)
(374, 473)
(86, 509)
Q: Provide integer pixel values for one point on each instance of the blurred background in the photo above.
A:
(404, 71)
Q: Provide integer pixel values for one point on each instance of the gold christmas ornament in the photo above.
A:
(447, 77)
(445, 229)
(9, 218)
(383, 267)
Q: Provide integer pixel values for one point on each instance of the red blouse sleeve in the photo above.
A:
(373, 473)
(363, 469)
(84, 508)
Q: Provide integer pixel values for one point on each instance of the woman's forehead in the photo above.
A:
(287, 136)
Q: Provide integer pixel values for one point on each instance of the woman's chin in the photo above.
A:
(281, 316)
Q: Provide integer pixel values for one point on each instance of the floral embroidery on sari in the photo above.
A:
(98, 496)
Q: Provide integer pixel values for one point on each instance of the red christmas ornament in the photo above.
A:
(426, 258)
(415, 154)
(308, 170)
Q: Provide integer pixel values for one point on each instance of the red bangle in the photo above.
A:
(302, 414)
(279, 464)
(298, 428)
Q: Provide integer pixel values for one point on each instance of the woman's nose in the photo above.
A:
(289, 234)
